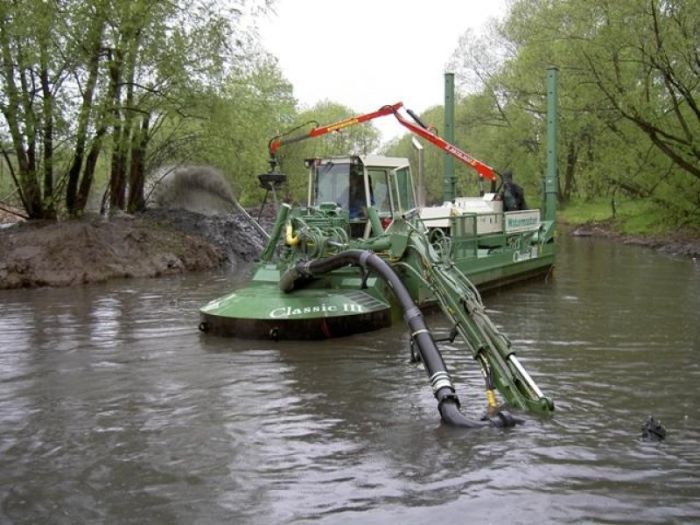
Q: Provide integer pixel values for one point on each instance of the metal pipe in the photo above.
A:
(245, 213)
(449, 164)
(374, 220)
(282, 215)
(551, 184)
(421, 170)
(521, 369)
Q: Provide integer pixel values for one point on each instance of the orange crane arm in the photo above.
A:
(278, 142)
(483, 169)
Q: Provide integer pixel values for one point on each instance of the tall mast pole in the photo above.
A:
(449, 164)
(551, 184)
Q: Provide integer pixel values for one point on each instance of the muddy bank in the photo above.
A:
(679, 244)
(96, 249)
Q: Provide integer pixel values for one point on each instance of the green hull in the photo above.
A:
(333, 308)
(500, 270)
(337, 305)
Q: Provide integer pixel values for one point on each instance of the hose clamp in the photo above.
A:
(440, 380)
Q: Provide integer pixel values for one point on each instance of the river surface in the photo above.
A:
(115, 409)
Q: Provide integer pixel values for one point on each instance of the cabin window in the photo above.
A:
(404, 189)
(332, 183)
(357, 205)
(379, 191)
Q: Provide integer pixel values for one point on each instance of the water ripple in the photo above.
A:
(114, 408)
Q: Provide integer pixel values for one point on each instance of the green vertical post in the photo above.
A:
(550, 183)
(449, 164)
(276, 232)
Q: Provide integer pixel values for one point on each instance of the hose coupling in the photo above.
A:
(441, 380)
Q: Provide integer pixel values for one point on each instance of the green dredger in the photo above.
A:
(361, 253)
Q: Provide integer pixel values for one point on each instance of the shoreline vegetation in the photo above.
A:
(158, 243)
(634, 222)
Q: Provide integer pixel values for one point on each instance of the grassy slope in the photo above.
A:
(632, 217)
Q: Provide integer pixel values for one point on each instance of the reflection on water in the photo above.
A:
(113, 408)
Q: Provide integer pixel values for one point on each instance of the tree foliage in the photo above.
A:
(628, 99)
(630, 117)
(98, 94)
(84, 83)
(250, 108)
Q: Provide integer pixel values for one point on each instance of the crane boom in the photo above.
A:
(278, 142)
(481, 168)
(484, 170)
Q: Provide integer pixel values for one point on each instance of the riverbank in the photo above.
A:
(630, 221)
(95, 249)
(679, 243)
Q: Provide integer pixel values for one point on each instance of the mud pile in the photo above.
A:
(95, 249)
(235, 237)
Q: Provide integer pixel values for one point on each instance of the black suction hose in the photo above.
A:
(440, 381)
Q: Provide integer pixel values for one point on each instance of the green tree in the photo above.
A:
(30, 75)
(628, 95)
(629, 92)
(251, 107)
(101, 79)
(162, 56)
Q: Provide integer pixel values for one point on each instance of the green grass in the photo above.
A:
(582, 212)
(632, 217)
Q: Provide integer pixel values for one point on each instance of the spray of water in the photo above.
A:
(199, 189)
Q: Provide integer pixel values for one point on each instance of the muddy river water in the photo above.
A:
(115, 409)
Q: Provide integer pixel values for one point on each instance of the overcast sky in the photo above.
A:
(368, 53)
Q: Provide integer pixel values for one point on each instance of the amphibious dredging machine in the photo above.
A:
(362, 254)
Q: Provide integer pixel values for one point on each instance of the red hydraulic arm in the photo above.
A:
(277, 142)
(483, 169)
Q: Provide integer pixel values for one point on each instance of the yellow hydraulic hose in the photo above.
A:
(290, 238)
(491, 399)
